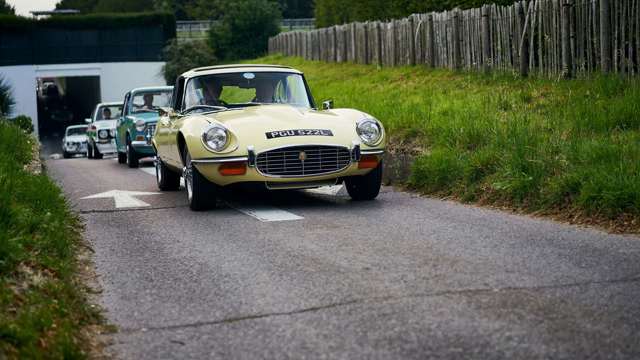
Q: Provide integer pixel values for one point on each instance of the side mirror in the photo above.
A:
(88, 121)
(327, 105)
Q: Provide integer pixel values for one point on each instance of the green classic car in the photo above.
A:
(135, 127)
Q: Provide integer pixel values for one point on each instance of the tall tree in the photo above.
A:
(6, 9)
(245, 28)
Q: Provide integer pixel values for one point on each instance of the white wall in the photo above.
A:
(115, 80)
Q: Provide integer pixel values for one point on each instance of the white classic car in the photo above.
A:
(102, 129)
(74, 141)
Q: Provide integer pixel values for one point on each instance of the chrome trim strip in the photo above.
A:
(220, 160)
(372, 152)
(140, 143)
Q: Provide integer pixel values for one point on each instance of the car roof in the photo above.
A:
(152, 88)
(222, 69)
(113, 103)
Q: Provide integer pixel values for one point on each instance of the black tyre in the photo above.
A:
(365, 187)
(167, 180)
(96, 153)
(122, 158)
(66, 155)
(89, 151)
(200, 192)
(132, 157)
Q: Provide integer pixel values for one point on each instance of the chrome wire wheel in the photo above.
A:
(188, 181)
(158, 171)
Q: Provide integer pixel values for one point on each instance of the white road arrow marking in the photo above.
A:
(123, 198)
(264, 213)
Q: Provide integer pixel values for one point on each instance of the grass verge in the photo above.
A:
(43, 305)
(570, 149)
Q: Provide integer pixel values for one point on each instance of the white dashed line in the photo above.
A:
(264, 213)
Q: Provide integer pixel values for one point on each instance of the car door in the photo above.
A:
(121, 129)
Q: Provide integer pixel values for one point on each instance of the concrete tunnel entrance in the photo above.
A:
(62, 102)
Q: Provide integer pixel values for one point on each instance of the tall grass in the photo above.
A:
(534, 144)
(42, 306)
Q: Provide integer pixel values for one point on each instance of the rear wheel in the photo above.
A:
(200, 192)
(365, 187)
(132, 157)
(167, 180)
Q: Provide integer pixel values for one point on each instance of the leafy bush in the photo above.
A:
(244, 29)
(6, 8)
(7, 101)
(184, 57)
(23, 122)
(92, 21)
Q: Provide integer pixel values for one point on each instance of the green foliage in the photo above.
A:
(123, 6)
(331, 12)
(92, 21)
(296, 9)
(185, 56)
(23, 122)
(535, 144)
(7, 102)
(42, 306)
(6, 9)
(244, 29)
(85, 6)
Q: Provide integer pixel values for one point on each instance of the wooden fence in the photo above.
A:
(549, 37)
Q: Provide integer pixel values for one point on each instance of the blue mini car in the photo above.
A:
(135, 127)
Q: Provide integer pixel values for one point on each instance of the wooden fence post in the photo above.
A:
(523, 51)
(567, 61)
(605, 36)
(456, 39)
(412, 42)
(379, 43)
(486, 39)
(431, 44)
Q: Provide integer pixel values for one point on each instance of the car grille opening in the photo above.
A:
(305, 160)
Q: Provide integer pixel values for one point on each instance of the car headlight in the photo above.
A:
(370, 131)
(140, 124)
(103, 134)
(215, 137)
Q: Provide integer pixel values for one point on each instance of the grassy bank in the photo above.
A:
(567, 148)
(42, 305)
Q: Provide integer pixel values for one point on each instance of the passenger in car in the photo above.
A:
(106, 114)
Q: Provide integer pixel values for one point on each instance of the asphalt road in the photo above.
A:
(400, 277)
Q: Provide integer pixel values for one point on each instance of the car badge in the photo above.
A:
(302, 156)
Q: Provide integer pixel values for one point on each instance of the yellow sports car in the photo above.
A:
(238, 124)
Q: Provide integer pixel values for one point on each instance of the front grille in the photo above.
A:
(303, 160)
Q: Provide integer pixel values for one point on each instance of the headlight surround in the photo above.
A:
(216, 137)
(370, 131)
(140, 124)
(103, 134)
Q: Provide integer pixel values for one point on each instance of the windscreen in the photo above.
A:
(239, 89)
(76, 131)
(109, 112)
(150, 101)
